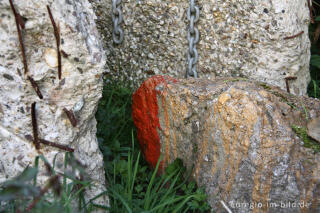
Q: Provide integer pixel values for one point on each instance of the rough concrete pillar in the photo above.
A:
(263, 40)
(239, 136)
(78, 90)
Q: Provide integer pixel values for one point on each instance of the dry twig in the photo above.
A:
(57, 35)
(35, 126)
(35, 87)
(71, 117)
(287, 79)
(20, 25)
(293, 36)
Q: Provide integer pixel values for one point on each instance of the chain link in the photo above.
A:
(193, 38)
(117, 18)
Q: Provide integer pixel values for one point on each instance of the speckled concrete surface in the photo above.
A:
(79, 89)
(237, 38)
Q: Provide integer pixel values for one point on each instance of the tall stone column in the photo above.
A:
(263, 40)
(76, 92)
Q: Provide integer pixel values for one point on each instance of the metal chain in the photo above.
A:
(193, 38)
(117, 18)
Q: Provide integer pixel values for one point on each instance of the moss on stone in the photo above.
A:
(284, 99)
(235, 80)
(278, 94)
(195, 147)
(308, 142)
(265, 86)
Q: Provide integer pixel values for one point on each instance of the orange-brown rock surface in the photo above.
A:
(238, 137)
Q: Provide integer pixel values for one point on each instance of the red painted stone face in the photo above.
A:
(145, 117)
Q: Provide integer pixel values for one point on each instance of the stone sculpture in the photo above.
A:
(262, 40)
(61, 102)
(239, 137)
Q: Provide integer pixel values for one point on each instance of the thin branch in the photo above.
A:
(294, 36)
(35, 87)
(20, 23)
(35, 126)
(51, 183)
(314, 2)
(49, 143)
(71, 117)
(57, 35)
(287, 79)
(291, 78)
(310, 12)
(60, 146)
(64, 54)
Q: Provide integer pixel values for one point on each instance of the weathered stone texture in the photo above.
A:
(314, 129)
(237, 38)
(79, 89)
(238, 136)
